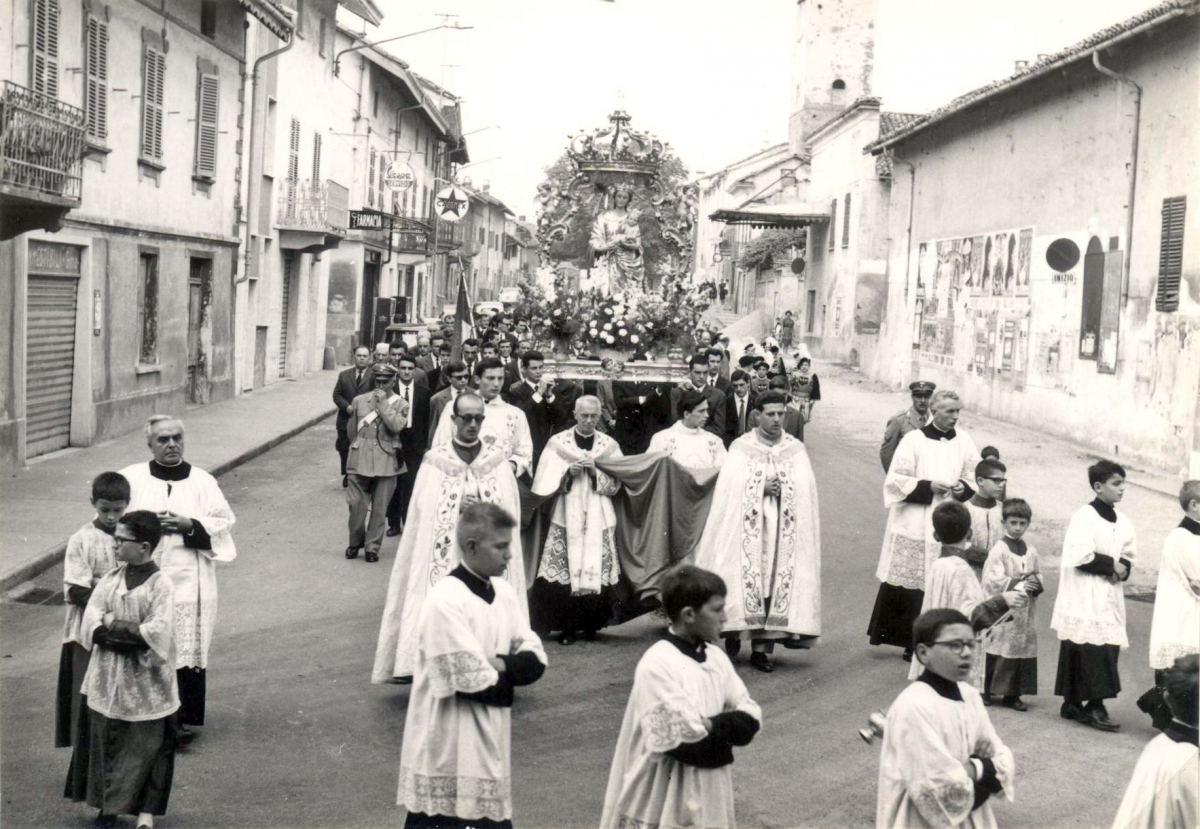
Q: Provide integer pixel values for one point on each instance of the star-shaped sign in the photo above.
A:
(452, 203)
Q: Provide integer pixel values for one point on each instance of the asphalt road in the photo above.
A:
(298, 737)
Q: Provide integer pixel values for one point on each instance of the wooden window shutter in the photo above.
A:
(832, 223)
(316, 171)
(846, 222)
(208, 89)
(154, 71)
(371, 179)
(1170, 254)
(44, 37)
(95, 99)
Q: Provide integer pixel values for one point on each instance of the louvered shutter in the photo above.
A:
(846, 223)
(96, 97)
(832, 223)
(316, 173)
(293, 168)
(44, 71)
(1170, 254)
(208, 89)
(154, 70)
(371, 180)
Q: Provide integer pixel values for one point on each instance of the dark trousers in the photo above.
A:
(397, 512)
(192, 691)
(343, 448)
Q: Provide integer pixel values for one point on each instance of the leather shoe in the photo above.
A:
(351, 552)
(567, 638)
(761, 662)
(732, 646)
(393, 532)
(1098, 718)
(987, 699)
(103, 821)
(907, 657)
(1071, 711)
(371, 557)
(1015, 703)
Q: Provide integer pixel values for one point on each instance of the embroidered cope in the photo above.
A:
(504, 426)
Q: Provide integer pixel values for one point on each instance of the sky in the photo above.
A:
(709, 77)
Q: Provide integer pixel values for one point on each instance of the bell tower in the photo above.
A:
(832, 62)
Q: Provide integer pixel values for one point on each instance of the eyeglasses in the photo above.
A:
(121, 539)
(471, 418)
(995, 480)
(960, 646)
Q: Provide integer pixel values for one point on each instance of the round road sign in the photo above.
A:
(399, 176)
(452, 203)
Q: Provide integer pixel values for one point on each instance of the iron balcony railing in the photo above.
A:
(308, 205)
(42, 143)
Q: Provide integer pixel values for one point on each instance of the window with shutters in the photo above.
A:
(208, 18)
(1170, 254)
(316, 173)
(43, 70)
(208, 89)
(371, 179)
(383, 165)
(154, 71)
(95, 99)
(846, 222)
(293, 168)
(148, 308)
(832, 223)
(322, 33)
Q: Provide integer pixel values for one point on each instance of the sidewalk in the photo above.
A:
(41, 506)
(1048, 472)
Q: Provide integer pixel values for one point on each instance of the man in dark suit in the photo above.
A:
(535, 396)
(698, 380)
(426, 360)
(643, 410)
(414, 440)
(470, 356)
(437, 376)
(457, 377)
(716, 357)
(350, 384)
(739, 405)
(512, 370)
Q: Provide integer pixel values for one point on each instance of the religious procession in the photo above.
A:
(834, 463)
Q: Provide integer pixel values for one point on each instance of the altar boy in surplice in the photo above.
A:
(124, 760)
(941, 759)
(687, 710)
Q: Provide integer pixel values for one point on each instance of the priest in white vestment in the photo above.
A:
(688, 710)
(763, 538)
(473, 648)
(931, 465)
(941, 761)
(1175, 630)
(1164, 792)
(197, 523)
(452, 476)
(687, 442)
(579, 566)
(505, 427)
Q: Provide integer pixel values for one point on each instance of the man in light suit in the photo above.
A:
(350, 383)
(901, 423)
(455, 372)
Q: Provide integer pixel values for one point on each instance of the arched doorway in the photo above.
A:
(1093, 300)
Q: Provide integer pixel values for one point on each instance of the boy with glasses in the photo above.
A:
(941, 758)
(987, 520)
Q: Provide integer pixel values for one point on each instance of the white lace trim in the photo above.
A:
(464, 671)
(462, 797)
(906, 566)
(1091, 632)
(667, 726)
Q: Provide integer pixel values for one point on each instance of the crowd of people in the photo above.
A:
(530, 506)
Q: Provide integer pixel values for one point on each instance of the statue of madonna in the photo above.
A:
(617, 243)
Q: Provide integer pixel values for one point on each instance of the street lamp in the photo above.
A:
(337, 58)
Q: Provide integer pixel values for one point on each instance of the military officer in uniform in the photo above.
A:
(901, 423)
(375, 459)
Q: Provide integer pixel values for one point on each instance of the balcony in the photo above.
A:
(42, 144)
(449, 236)
(313, 216)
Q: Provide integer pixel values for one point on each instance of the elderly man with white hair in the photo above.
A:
(196, 522)
(579, 567)
(931, 465)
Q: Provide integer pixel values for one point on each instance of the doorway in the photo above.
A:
(199, 299)
(289, 273)
(260, 356)
(370, 290)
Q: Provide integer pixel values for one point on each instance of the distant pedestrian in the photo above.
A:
(197, 526)
(941, 758)
(901, 423)
(723, 290)
(124, 763)
(787, 329)
(1164, 792)
(805, 388)
(376, 459)
(1011, 667)
(687, 711)
(90, 554)
(1175, 630)
(1089, 611)
(474, 649)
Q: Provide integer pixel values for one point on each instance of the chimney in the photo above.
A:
(1022, 65)
(487, 185)
(1042, 56)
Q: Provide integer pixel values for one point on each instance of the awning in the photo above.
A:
(275, 17)
(366, 9)
(793, 214)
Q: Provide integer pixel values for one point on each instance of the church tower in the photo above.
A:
(833, 61)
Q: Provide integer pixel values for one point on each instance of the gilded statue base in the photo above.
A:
(662, 371)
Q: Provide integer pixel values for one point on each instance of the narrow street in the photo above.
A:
(297, 737)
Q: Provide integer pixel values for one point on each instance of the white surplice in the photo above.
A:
(909, 547)
(91, 553)
(1088, 609)
(581, 548)
(952, 584)
(192, 572)
(504, 425)
(1175, 630)
(766, 547)
(923, 783)
(455, 759)
(1163, 791)
(428, 548)
(691, 448)
(132, 686)
(1004, 570)
(672, 696)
